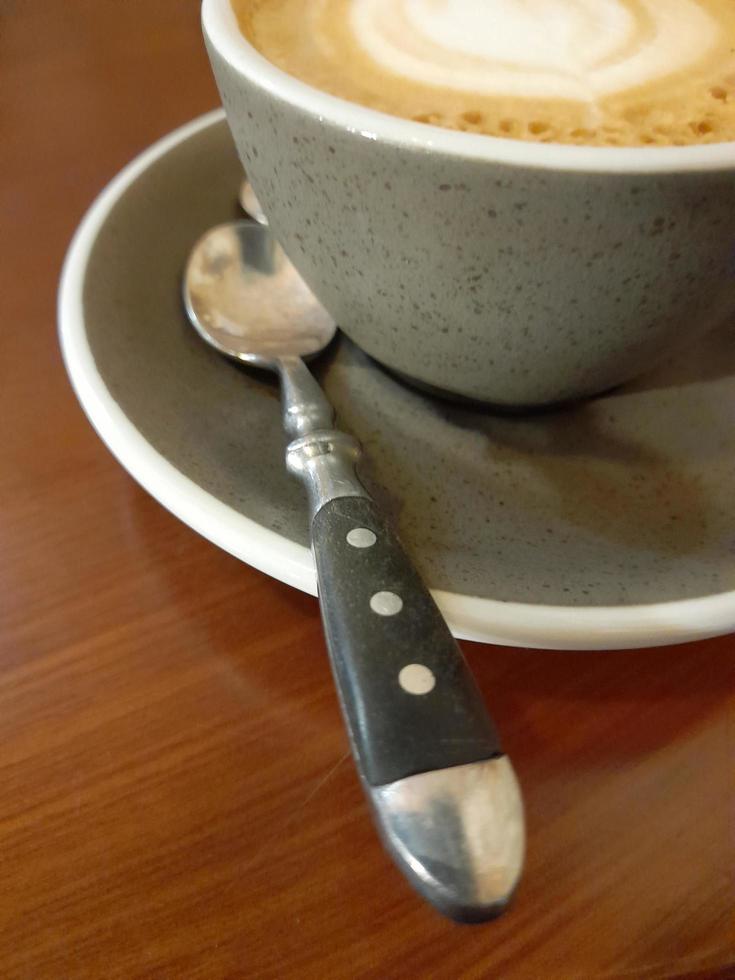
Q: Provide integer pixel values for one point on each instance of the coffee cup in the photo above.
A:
(511, 272)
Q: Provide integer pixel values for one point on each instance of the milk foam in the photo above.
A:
(590, 72)
(565, 49)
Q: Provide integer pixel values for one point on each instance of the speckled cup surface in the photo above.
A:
(514, 273)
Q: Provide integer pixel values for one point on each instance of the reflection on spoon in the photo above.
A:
(247, 298)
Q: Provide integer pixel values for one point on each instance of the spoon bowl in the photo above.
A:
(250, 203)
(245, 298)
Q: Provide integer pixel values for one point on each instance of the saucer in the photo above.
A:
(607, 524)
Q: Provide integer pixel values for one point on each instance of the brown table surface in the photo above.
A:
(176, 798)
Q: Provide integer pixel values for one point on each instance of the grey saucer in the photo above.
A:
(608, 523)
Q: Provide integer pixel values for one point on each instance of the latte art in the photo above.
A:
(609, 72)
(564, 49)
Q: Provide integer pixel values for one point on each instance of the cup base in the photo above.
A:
(489, 406)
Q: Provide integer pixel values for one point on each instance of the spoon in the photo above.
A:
(250, 203)
(444, 796)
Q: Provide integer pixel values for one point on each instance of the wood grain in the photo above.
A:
(176, 800)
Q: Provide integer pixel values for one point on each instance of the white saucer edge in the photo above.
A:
(470, 617)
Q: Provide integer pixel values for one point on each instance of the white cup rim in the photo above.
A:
(220, 26)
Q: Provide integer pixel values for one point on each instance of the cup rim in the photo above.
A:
(220, 26)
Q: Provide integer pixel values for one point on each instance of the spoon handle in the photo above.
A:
(444, 795)
(445, 798)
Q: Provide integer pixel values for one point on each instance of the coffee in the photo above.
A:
(595, 72)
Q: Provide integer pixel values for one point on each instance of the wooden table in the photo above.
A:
(176, 798)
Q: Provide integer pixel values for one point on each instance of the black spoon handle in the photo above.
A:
(409, 699)
(445, 798)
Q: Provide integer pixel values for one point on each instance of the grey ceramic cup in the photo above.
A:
(511, 272)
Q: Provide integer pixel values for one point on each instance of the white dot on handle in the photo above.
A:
(361, 537)
(416, 679)
(386, 603)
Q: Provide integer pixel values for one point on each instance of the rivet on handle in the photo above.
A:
(386, 603)
(361, 537)
(416, 679)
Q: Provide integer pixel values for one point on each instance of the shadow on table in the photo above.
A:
(625, 703)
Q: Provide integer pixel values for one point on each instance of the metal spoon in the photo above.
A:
(250, 203)
(445, 797)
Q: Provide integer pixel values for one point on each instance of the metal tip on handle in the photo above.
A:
(458, 835)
